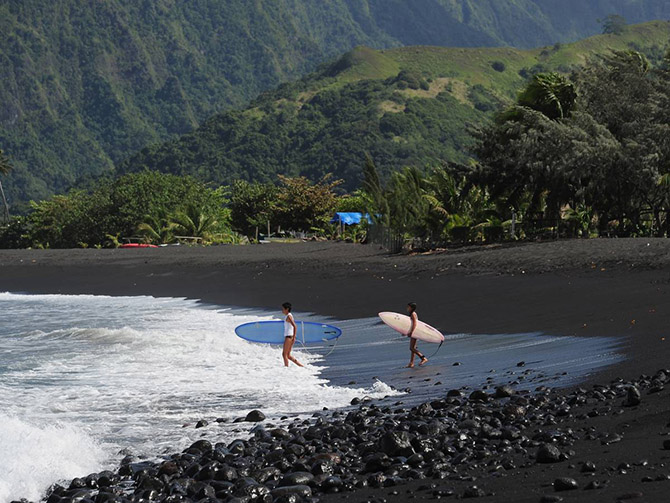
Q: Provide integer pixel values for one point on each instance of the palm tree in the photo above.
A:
(158, 228)
(195, 222)
(5, 168)
(550, 93)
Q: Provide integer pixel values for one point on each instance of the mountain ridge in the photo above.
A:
(87, 84)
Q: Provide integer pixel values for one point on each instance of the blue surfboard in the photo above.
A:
(272, 332)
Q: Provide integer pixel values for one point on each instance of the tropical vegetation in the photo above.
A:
(86, 84)
(410, 106)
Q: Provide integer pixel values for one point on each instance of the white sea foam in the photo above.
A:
(32, 457)
(132, 371)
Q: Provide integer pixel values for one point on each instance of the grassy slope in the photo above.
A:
(327, 121)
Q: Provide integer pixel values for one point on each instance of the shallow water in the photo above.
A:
(82, 377)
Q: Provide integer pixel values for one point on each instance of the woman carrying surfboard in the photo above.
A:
(411, 310)
(290, 330)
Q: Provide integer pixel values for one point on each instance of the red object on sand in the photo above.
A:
(137, 245)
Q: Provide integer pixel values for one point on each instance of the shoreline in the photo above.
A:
(612, 287)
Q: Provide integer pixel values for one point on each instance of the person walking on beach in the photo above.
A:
(411, 310)
(290, 330)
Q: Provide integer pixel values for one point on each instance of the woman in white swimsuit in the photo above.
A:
(289, 335)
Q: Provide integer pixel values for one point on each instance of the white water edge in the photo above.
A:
(84, 376)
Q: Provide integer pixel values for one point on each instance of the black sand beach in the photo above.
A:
(584, 288)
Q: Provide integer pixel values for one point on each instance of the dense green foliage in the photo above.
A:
(85, 84)
(579, 157)
(404, 107)
(296, 204)
(608, 159)
(157, 208)
(122, 208)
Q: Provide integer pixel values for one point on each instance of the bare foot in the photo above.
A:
(423, 360)
(410, 366)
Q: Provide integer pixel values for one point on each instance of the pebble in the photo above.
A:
(565, 484)
(548, 453)
(550, 498)
(633, 397)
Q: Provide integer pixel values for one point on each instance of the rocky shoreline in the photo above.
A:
(456, 445)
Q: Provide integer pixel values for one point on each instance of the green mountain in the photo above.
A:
(84, 84)
(403, 106)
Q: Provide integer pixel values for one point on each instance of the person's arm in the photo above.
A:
(292, 322)
(413, 326)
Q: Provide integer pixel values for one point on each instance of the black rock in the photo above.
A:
(201, 423)
(504, 391)
(550, 498)
(612, 438)
(255, 416)
(479, 395)
(332, 484)
(296, 479)
(396, 443)
(254, 492)
(633, 397)
(666, 445)
(474, 492)
(302, 491)
(588, 467)
(202, 446)
(322, 468)
(565, 484)
(521, 364)
(169, 468)
(548, 453)
(454, 393)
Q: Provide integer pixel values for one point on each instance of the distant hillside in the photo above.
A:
(405, 106)
(87, 83)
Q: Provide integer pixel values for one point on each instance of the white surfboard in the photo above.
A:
(402, 323)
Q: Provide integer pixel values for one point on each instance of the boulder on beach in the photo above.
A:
(255, 416)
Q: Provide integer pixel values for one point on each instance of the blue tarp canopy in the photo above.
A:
(349, 218)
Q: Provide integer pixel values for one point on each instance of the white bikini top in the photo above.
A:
(288, 328)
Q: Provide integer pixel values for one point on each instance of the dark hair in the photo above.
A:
(412, 306)
(287, 305)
